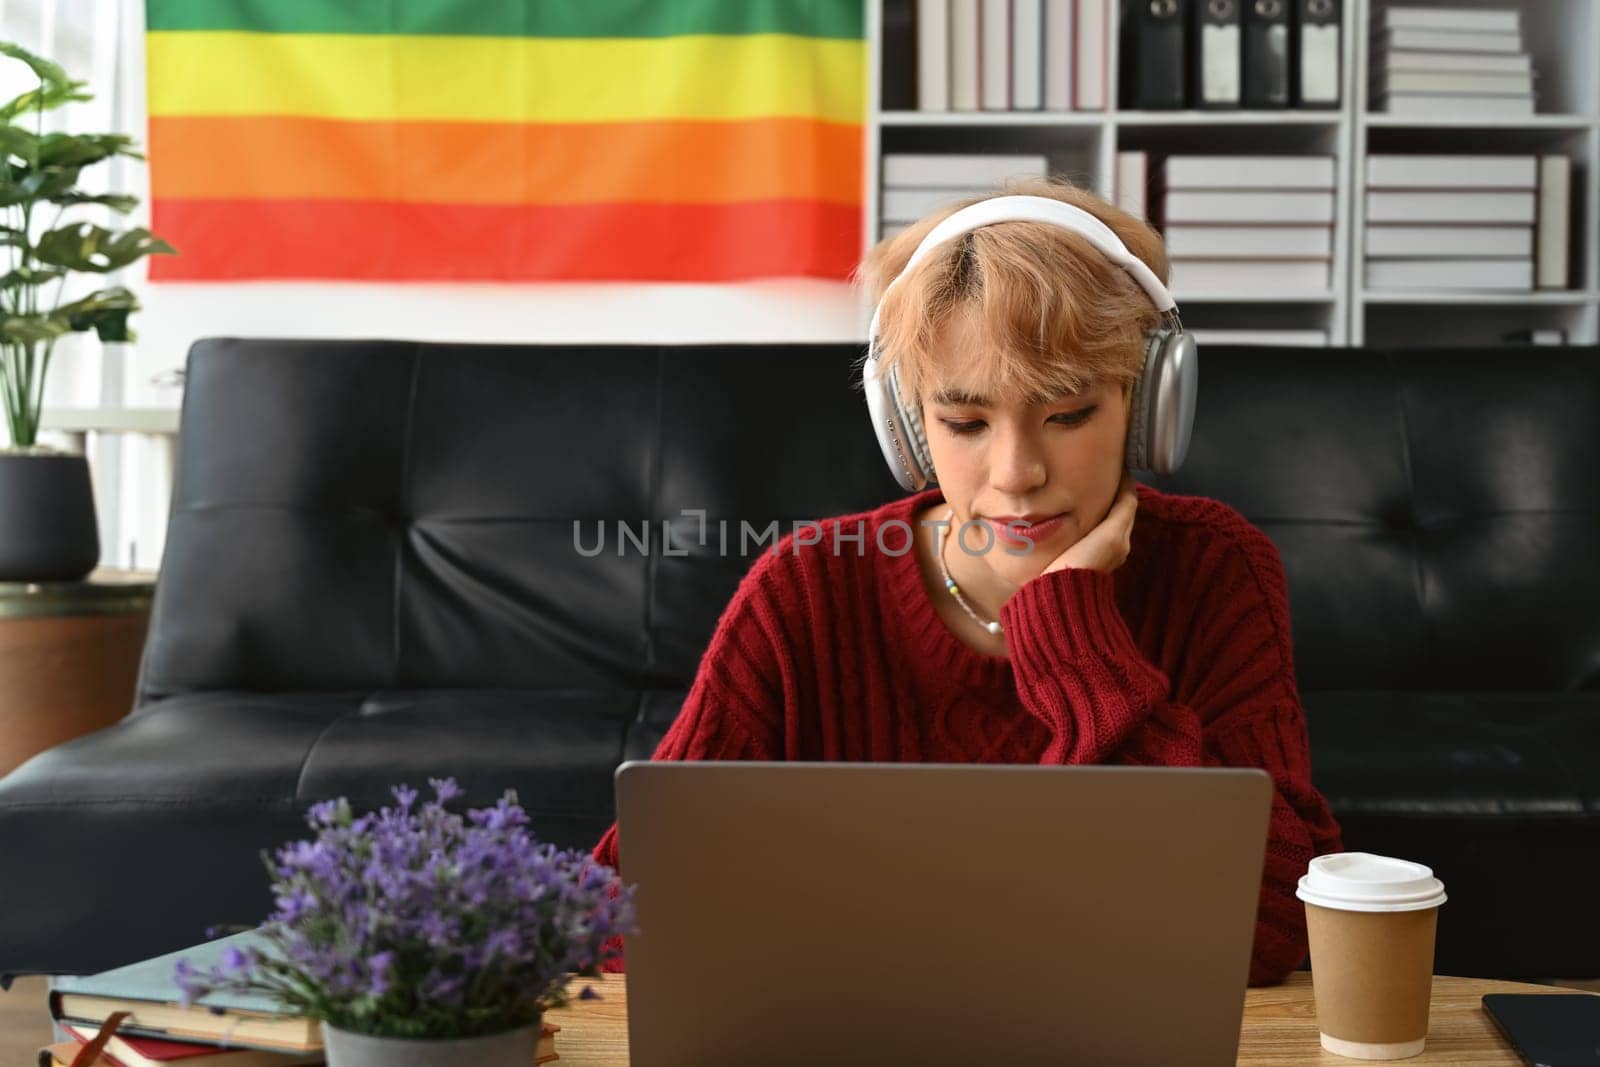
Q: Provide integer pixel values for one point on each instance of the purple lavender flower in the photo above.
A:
(236, 961)
(416, 921)
(442, 989)
(190, 982)
(378, 968)
(444, 789)
(294, 904)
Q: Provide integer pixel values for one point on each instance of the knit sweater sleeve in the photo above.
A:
(1080, 671)
(735, 706)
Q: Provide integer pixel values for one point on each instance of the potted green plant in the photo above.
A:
(421, 938)
(47, 521)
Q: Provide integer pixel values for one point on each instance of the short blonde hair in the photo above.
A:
(1056, 315)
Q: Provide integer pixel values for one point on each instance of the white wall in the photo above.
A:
(777, 310)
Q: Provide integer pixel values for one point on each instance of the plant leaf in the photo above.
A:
(82, 149)
(31, 329)
(16, 141)
(44, 98)
(48, 71)
(87, 247)
(105, 311)
(56, 86)
(33, 185)
(118, 202)
(26, 276)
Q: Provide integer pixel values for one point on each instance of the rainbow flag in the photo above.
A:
(506, 140)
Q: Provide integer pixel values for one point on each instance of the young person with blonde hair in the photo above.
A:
(1036, 605)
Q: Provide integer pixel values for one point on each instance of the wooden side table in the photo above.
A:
(69, 657)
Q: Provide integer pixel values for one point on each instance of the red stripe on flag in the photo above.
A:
(348, 240)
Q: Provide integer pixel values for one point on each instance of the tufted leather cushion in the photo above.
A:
(1436, 511)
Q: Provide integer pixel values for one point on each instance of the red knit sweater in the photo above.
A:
(1182, 657)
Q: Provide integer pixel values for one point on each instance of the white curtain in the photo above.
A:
(101, 42)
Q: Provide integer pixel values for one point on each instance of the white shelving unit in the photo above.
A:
(1563, 37)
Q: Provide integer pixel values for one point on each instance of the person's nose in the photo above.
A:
(1016, 461)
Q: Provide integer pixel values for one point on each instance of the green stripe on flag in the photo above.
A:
(515, 18)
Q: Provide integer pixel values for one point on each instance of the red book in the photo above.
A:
(153, 1051)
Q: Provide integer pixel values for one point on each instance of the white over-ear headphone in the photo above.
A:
(1161, 411)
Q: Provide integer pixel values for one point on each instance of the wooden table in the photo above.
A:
(1280, 1025)
(69, 657)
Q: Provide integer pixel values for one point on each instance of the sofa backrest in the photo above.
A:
(352, 515)
(355, 516)
(1437, 511)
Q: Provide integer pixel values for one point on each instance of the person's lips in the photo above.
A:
(1010, 529)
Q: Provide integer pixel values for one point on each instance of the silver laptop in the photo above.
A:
(806, 913)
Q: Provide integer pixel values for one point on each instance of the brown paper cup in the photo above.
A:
(1372, 978)
(1371, 922)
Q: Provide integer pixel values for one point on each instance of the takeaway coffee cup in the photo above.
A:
(1371, 921)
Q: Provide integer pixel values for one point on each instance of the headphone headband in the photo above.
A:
(1039, 209)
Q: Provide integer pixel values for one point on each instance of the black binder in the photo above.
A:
(1153, 69)
(1266, 53)
(1215, 60)
(1314, 57)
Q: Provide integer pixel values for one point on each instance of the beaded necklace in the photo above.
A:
(993, 626)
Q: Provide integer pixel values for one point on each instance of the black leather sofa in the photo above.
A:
(372, 577)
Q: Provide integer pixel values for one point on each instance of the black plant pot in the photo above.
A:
(47, 527)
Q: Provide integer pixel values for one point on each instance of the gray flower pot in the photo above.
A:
(511, 1048)
(47, 526)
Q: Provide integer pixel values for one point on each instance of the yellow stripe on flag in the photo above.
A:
(505, 79)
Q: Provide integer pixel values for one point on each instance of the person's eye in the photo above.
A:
(1075, 418)
(961, 428)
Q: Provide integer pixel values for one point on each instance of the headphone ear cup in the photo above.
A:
(899, 432)
(1139, 415)
(1161, 410)
(916, 436)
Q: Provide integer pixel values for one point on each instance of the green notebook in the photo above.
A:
(148, 991)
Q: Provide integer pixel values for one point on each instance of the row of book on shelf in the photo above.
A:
(222, 1030)
(1012, 55)
(1264, 224)
(1232, 54)
(1053, 55)
(1450, 61)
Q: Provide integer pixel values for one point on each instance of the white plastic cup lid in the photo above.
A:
(1360, 881)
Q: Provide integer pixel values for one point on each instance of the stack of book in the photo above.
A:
(1013, 55)
(222, 1030)
(155, 1052)
(1450, 61)
(915, 185)
(1467, 222)
(1248, 225)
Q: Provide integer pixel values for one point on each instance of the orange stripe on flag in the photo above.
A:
(625, 242)
(506, 163)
